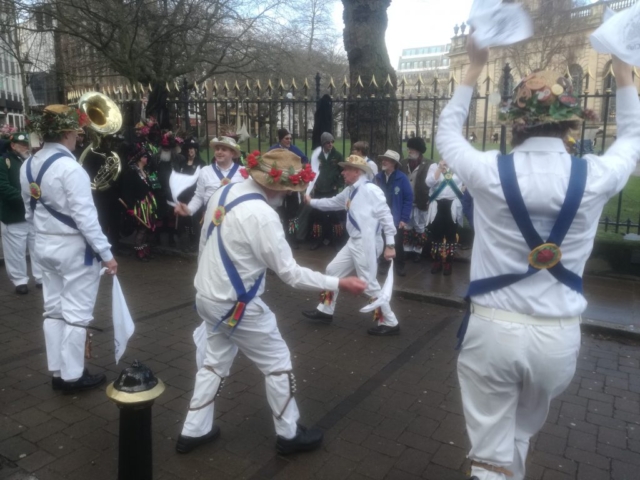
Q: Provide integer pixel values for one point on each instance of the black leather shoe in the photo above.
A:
(186, 444)
(384, 330)
(306, 439)
(39, 286)
(401, 273)
(85, 382)
(318, 315)
(22, 289)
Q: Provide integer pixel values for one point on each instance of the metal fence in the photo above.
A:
(209, 111)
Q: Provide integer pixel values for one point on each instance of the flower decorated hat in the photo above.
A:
(542, 98)
(279, 169)
(56, 119)
(358, 162)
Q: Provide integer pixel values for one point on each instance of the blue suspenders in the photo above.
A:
(349, 216)
(244, 297)
(36, 197)
(447, 182)
(544, 255)
(228, 178)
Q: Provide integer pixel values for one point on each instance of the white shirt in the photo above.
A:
(66, 188)
(542, 167)
(208, 183)
(447, 193)
(374, 168)
(251, 253)
(369, 209)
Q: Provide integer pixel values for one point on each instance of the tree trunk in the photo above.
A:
(373, 121)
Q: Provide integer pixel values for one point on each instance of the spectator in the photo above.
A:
(397, 190)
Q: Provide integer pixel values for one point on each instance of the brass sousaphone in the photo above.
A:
(106, 119)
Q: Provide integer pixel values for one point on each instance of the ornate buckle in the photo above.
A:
(545, 256)
(218, 215)
(448, 176)
(224, 181)
(34, 188)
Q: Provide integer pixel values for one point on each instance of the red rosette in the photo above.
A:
(568, 100)
(275, 174)
(244, 173)
(294, 179)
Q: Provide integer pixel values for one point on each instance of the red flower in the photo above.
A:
(256, 153)
(252, 161)
(244, 173)
(545, 256)
(307, 174)
(275, 174)
(83, 119)
(295, 179)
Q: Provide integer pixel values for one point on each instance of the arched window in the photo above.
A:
(577, 78)
(506, 89)
(609, 88)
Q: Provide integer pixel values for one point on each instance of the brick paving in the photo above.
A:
(390, 407)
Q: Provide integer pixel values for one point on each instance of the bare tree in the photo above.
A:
(365, 26)
(554, 42)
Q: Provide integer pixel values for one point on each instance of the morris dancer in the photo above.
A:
(57, 194)
(444, 215)
(221, 172)
(536, 215)
(243, 237)
(367, 213)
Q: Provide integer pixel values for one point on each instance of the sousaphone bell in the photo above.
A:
(106, 119)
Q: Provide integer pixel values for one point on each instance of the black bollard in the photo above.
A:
(134, 393)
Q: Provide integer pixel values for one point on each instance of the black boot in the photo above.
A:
(85, 382)
(186, 444)
(22, 289)
(304, 441)
(318, 315)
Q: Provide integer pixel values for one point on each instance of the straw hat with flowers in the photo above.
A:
(278, 169)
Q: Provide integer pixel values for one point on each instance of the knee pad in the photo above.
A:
(292, 389)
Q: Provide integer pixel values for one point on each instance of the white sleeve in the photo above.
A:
(463, 159)
(609, 173)
(198, 197)
(77, 188)
(431, 176)
(382, 213)
(26, 194)
(337, 202)
(272, 249)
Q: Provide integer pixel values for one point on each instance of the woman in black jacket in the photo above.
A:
(137, 197)
(188, 228)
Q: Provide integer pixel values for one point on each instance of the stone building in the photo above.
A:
(560, 43)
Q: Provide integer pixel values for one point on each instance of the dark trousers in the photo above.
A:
(443, 232)
(398, 262)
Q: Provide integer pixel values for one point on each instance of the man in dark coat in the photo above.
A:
(17, 234)
(416, 168)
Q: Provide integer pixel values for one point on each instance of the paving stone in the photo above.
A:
(450, 456)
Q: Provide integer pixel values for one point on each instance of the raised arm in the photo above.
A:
(334, 203)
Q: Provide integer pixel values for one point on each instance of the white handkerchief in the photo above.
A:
(179, 182)
(499, 24)
(619, 35)
(123, 326)
(200, 339)
(385, 294)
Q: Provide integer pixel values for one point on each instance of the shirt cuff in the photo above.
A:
(331, 283)
(314, 202)
(106, 256)
(390, 240)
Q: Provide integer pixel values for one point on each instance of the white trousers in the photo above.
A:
(509, 373)
(69, 289)
(417, 223)
(258, 337)
(352, 257)
(16, 238)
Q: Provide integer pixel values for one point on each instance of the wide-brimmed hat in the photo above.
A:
(191, 143)
(226, 142)
(19, 137)
(279, 169)
(358, 162)
(390, 155)
(544, 97)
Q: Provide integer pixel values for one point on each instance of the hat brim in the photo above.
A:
(263, 179)
(381, 157)
(364, 168)
(137, 397)
(226, 145)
